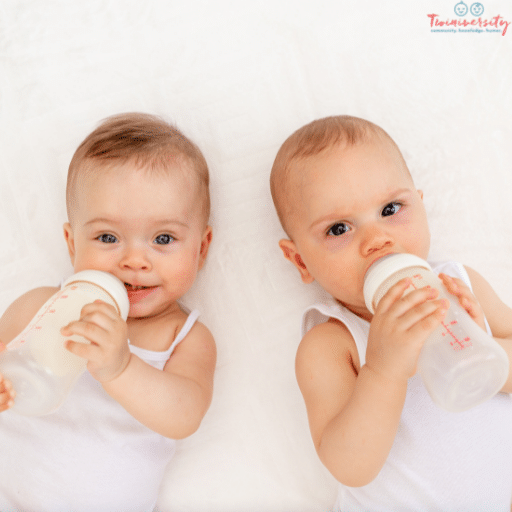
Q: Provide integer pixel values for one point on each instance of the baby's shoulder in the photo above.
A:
(189, 327)
(18, 315)
(181, 321)
(327, 343)
(159, 333)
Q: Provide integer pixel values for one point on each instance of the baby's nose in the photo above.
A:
(135, 259)
(376, 239)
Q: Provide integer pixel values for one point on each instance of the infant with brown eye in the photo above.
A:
(345, 198)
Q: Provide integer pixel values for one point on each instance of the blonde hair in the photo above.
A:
(309, 141)
(146, 140)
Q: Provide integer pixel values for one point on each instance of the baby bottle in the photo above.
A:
(460, 364)
(41, 369)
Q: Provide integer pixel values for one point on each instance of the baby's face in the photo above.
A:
(146, 229)
(353, 206)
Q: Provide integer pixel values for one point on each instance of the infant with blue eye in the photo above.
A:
(345, 198)
(138, 207)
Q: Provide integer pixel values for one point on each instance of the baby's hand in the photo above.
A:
(7, 394)
(108, 353)
(399, 328)
(466, 298)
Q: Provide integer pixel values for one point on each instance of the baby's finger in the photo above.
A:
(449, 283)
(459, 289)
(412, 300)
(427, 324)
(422, 311)
(5, 384)
(98, 306)
(84, 350)
(100, 314)
(6, 402)
(393, 294)
(7, 395)
(93, 328)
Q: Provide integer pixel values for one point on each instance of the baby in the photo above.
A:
(345, 198)
(138, 207)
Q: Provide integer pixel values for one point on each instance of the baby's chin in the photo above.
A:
(140, 311)
(359, 310)
(137, 312)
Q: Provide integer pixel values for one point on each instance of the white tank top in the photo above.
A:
(88, 456)
(439, 461)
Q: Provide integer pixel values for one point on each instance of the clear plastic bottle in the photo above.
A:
(460, 364)
(41, 369)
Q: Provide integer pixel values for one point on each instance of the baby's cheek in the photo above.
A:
(415, 225)
(403, 217)
(188, 266)
(337, 243)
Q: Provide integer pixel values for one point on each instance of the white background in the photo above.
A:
(238, 77)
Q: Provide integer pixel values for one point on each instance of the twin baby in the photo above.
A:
(138, 207)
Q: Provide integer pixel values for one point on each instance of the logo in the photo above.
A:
(469, 19)
(461, 9)
(477, 9)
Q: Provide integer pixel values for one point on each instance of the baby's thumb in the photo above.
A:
(2, 346)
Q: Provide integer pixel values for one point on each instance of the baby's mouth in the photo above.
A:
(131, 288)
(137, 293)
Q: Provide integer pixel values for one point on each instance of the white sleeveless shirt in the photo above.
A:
(88, 456)
(439, 461)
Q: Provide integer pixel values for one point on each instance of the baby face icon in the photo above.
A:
(477, 9)
(461, 9)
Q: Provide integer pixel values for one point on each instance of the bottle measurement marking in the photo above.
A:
(457, 343)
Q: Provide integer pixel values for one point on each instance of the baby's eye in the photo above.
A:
(391, 209)
(107, 239)
(338, 229)
(164, 239)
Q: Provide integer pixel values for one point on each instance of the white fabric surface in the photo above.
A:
(238, 78)
(103, 453)
(439, 460)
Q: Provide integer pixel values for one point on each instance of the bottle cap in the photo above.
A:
(110, 283)
(384, 268)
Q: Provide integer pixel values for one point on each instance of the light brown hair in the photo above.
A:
(148, 141)
(311, 140)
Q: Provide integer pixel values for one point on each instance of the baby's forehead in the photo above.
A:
(175, 168)
(307, 169)
(303, 175)
(97, 176)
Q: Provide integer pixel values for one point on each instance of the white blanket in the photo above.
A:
(238, 78)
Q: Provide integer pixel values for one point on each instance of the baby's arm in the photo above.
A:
(7, 394)
(498, 314)
(354, 412)
(13, 321)
(171, 402)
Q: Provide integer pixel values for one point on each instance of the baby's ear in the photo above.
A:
(292, 254)
(70, 241)
(205, 245)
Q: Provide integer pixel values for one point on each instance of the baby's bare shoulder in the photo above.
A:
(18, 315)
(330, 342)
(327, 365)
(158, 333)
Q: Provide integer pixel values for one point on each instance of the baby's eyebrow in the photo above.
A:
(157, 222)
(101, 220)
(331, 218)
(171, 222)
